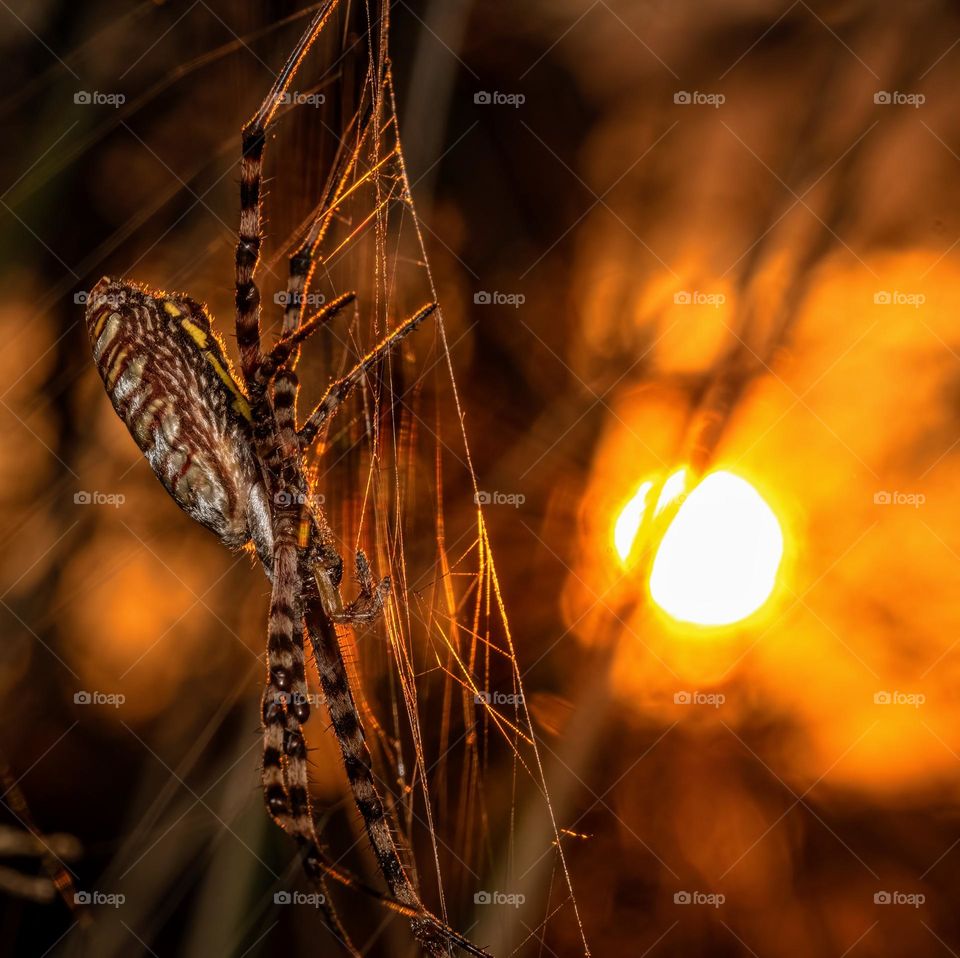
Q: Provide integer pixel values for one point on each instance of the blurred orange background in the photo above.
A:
(722, 232)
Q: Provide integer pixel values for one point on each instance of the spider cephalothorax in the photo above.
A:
(230, 450)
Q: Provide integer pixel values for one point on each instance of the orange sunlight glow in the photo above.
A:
(718, 560)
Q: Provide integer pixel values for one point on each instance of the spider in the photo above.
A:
(231, 451)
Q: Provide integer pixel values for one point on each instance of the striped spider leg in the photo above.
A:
(228, 449)
(27, 841)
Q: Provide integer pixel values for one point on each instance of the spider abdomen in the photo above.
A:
(169, 380)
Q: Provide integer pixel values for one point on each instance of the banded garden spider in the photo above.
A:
(232, 455)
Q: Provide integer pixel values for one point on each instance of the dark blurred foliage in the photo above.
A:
(801, 199)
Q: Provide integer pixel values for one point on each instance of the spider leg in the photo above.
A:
(368, 605)
(285, 347)
(253, 141)
(434, 935)
(356, 755)
(52, 853)
(338, 391)
(285, 788)
(276, 694)
(285, 708)
(284, 767)
(284, 698)
(298, 796)
(286, 703)
(285, 773)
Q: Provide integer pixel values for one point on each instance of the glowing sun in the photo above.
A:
(718, 559)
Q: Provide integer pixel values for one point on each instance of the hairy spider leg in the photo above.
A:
(359, 767)
(285, 347)
(253, 142)
(338, 391)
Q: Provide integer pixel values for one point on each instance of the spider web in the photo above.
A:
(443, 698)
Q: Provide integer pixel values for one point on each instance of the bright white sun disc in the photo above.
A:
(718, 560)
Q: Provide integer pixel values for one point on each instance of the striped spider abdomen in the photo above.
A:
(168, 377)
